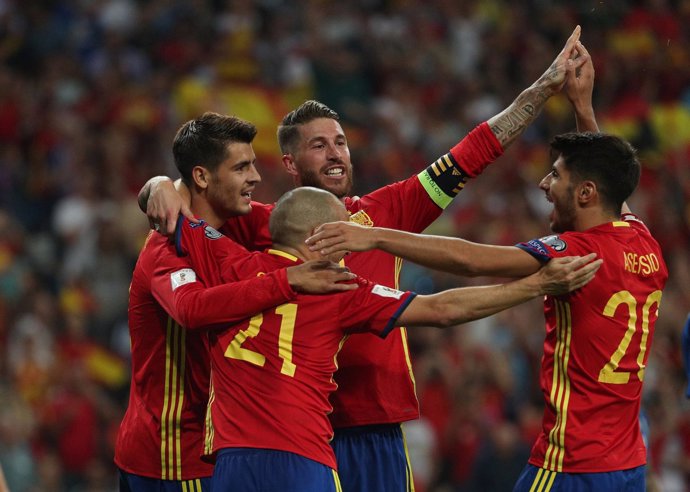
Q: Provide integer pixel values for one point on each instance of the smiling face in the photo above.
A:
(560, 191)
(322, 157)
(229, 188)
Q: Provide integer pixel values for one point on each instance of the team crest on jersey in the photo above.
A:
(383, 291)
(211, 233)
(555, 242)
(362, 218)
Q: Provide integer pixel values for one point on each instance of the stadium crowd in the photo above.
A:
(92, 92)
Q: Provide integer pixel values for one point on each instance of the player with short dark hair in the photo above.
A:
(597, 339)
(376, 390)
(159, 442)
(271, 374)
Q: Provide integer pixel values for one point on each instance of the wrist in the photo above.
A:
(536, 284)
(544, 87)
(377, 237)
(291, 279)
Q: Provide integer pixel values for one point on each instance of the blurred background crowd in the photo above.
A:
(92, 92)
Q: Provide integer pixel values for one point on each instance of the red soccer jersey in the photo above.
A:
(161, 435)
(596, 348)
(375, 381)
(272, 374)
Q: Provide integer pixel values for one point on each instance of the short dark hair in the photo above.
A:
(299, 211)
(288, 130)
(204, 140)
(607, 160)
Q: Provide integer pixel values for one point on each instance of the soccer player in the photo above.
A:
(159, 442)
(597, 339)
(375, 386)
(271, 374)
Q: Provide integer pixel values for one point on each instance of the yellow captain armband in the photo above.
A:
(443, 180)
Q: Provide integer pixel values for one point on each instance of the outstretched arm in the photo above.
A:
(449, 254)
(197, 306)
(486, 142)
(456, 306)
(509, 124)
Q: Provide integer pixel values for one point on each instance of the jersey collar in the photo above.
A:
(283, 254)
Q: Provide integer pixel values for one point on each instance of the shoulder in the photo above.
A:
(191, 236)
(555, 245)
(259, 214)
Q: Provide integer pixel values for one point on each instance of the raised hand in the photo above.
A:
(579, 86)
(555, 76)
(509, 124)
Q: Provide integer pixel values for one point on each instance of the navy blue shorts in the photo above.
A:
(268, 470)
(535, 479)
(136, 483)
(373, 458)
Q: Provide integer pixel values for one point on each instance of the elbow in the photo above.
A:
(462, 265)
(187, 321)
(468, 269)
(186, 315)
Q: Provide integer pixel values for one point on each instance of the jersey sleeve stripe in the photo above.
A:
(178, 236)
(391, 322)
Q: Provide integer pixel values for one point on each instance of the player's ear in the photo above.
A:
(586, 192)
(289, 163)
(200, 176)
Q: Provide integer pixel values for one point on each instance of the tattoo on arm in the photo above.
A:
(510, 123)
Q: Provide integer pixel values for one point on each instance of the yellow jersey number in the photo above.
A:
(609, 373)
(288, 314)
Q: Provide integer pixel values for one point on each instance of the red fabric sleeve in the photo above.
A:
(477, 150)
(194, 305)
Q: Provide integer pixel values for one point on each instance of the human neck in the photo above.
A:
(593, 217)
(202, 209)
(301, 252)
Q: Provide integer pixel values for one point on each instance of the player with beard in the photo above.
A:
(159, 442)
(271, 374)
(376, 390)
(598, 339)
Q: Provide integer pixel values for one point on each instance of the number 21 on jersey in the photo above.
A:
(288, 314)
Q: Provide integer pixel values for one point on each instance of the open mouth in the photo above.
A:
(335, 172)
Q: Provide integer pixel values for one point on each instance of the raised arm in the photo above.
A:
(509, 124)
(163, 201)
(449, 254)
(579, 87)
(456, 306)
